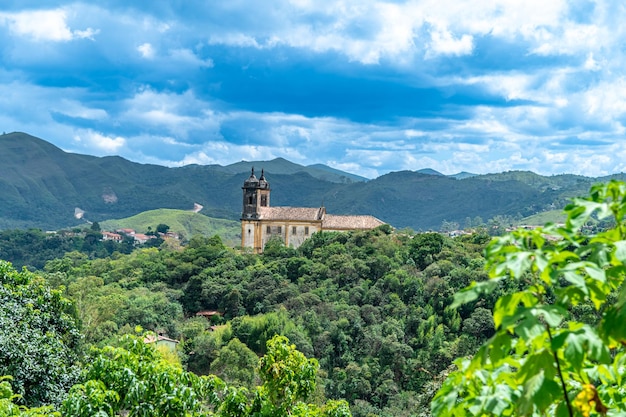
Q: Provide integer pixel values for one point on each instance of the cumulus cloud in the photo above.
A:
(187, 57)
(44, 25)
(146, 50)
(103, 143)
(444, 43)
(364, 85)
(177, 113)
(74, 108)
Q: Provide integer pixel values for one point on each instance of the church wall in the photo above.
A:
(297, 233)
(285, 230)
(251, 236)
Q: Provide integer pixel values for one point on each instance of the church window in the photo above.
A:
(264, 200)
(268, 230)
(250, 200)
(279, 229)
(293, 230)
(306, 230)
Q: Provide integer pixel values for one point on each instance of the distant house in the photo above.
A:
(293, 225)
(170, 235)
(128, 232)
(140, 238)
(160, 340)
(116, 237)
(208, 314)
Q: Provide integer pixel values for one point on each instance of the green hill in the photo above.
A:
(186, 223)
(539, 219)
(282, 166)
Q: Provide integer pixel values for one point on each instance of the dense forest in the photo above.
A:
(366, 323)
(371, 307)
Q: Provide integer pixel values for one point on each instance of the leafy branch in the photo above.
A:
(542, 359)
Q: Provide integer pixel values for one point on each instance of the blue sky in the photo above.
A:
(363, 86)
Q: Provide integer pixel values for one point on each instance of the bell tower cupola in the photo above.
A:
(256, 194)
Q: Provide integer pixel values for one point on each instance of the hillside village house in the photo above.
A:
(260, 222)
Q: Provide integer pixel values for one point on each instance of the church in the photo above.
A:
(293, 225)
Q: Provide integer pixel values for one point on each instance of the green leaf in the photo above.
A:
(595, 272)
(620, 251)
(530, 388)
(518, 263)
(507, 307)
(552, 314)
(473, 291)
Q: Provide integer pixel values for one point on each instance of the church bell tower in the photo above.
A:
(256, 194)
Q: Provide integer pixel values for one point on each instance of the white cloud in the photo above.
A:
(100, 142)
(234, 39)
(187, 57)
(44, 25)
(74, 108)
(401, 30)
(146, 50)
(178, 113)
(605, 101)
(444, 43)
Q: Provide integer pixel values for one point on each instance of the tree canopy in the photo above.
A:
(39, 337)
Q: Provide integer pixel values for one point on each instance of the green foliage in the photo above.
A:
(8, 406)
(425, 247)
(256, 331)
(289, 378)
(135, 380)
(235, 364)
(380, 327)
(39, 337)
(32, 248)
(162, 228)
(542, 359)
(287, 375)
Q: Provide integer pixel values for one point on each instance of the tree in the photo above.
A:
(8, 406)
(289, 378)
(424, 247)
(39, 337)
(236, 363)
(287, 375)
(135, 380)
(162, 228)
(542, 360)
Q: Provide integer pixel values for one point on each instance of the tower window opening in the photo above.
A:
(264, 200)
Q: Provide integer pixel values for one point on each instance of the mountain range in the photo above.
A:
(44, 187)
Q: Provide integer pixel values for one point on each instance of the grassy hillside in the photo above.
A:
(185, 223)
(539, 219)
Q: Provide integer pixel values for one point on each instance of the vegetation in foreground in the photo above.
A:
(559, 344)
